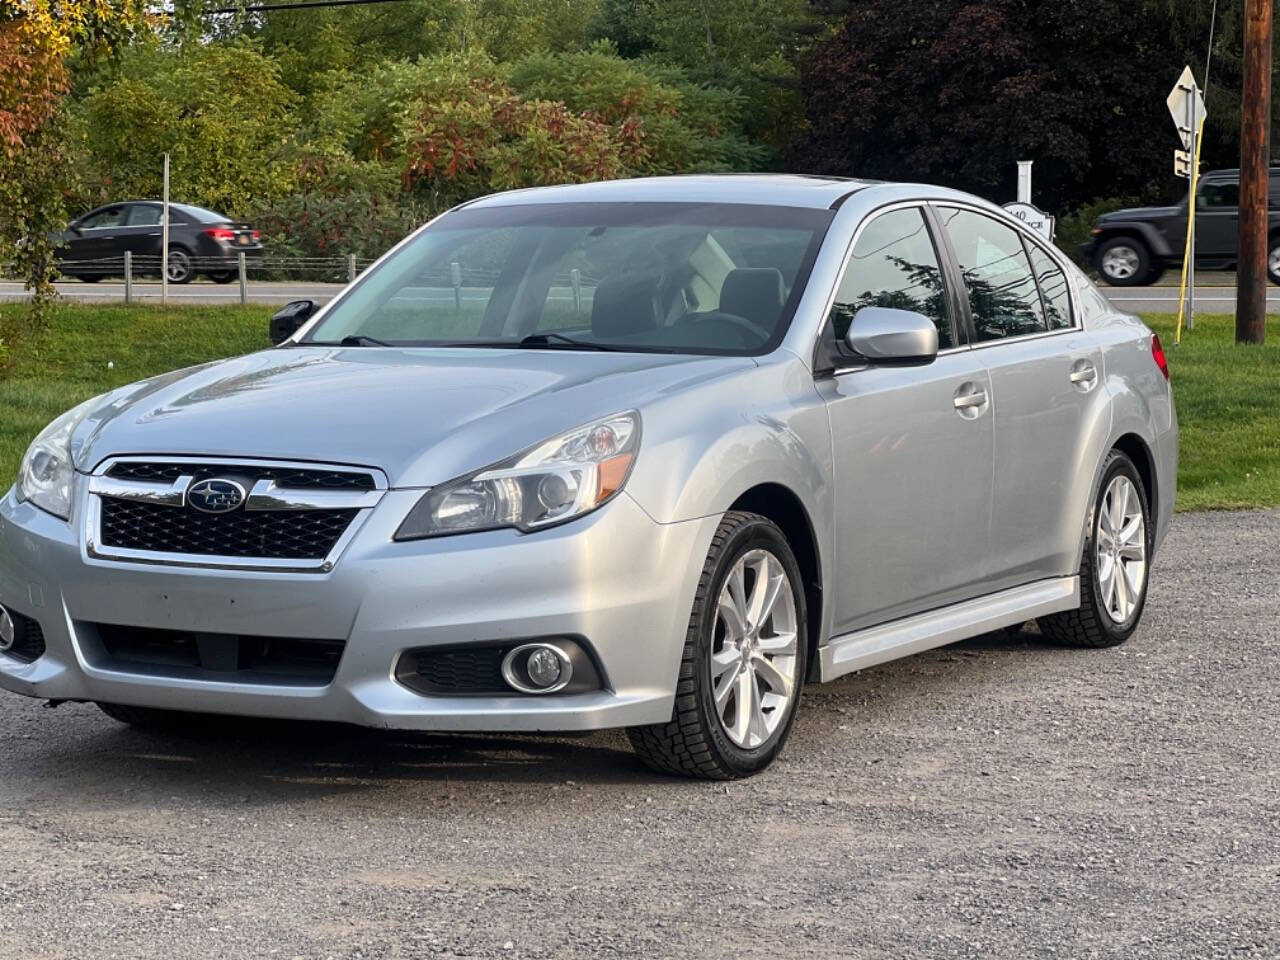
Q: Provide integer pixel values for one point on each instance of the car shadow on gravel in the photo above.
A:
(284, 761)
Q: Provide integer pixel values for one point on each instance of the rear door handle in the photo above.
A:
(1084, 374)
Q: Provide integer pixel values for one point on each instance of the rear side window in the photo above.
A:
(1003, 297)
(894, 264)
(1053, 288)
(143, 215)
(1219, 194)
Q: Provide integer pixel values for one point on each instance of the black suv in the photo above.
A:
(1133, 247)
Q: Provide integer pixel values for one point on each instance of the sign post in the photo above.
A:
(1186, 106)
(164, 238)
(1026, 211)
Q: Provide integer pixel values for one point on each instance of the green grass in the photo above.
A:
(1228, 397)
(1228, 400)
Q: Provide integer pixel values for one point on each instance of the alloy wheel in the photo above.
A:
(754, 653)
(1273, 261)
(1120, 262)
(1121, 549)
(179, 266)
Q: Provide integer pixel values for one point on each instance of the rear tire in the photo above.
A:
(1125, 262)
(225, 276)
(744, 659)
(1273, 260)
(181, 267)
(89, 277)
(1116, 566)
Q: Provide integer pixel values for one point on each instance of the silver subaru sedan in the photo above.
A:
(648, 454)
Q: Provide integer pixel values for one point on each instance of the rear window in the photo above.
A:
(199, 214)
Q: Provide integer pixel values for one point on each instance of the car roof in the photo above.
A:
(785, 190)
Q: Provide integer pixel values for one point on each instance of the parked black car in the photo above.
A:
(200, 241)
(1134, 247)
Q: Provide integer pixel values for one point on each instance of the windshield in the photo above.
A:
(669, 277)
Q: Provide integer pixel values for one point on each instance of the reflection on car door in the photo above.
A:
(1045, 372)
(912, 446)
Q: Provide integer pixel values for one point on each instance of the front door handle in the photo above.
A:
(970, 400)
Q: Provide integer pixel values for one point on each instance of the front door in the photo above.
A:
(912, 446)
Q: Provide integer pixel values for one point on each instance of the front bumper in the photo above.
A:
(616, 578)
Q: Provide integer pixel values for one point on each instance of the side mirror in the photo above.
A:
(287, 321)
(884, 335)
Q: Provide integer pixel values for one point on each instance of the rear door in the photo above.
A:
(1217, 220)
(141, 233)
(912, 446)
(1045, 371)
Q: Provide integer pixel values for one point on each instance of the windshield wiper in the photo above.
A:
(360, 340)
(537, 340)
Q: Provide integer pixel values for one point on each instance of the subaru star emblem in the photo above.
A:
(215, 496)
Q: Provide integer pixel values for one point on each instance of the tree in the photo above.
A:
(38, 39)
(220, 110)
(956, 92)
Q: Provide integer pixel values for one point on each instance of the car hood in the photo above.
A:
(1141, 213)
(422, 416)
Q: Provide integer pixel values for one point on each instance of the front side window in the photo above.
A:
(1003, 298)
(110, 217)
(664, 277)
(894, 264)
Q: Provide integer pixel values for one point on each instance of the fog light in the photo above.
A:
(537, 668)
(8, 632)
(543, 667)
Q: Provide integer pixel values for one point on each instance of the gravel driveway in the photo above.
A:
(997, 798)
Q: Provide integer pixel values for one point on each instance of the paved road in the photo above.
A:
(1155, 299)
(1000, 798)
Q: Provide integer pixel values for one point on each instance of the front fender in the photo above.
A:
(1153, 238)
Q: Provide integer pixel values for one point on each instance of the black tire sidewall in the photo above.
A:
(1140, 276)
(1116, 464)
(759, 533)
(1272, 246)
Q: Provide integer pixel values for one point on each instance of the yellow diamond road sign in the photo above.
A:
(1186, 106)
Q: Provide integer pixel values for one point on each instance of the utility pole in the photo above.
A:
(1255, 162)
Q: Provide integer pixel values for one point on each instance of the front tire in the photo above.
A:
(1273, 260)
(1125, 262)
(744, 659)
(1116, 564)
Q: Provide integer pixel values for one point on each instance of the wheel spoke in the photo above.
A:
(724, 661)
(758, 730)
(1122, 594)
(743, 686)
(775, 679)
(734, 626)
(737, 587)
(779, 645)
(1129, 533)
(1107, 578)
(764, 596)
(1133, 551)
(723, 689)
(1134, 573)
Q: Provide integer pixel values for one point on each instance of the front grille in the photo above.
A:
(454, 671)
(28, 639)
(236, 658)
(271, 535)
(288, 477)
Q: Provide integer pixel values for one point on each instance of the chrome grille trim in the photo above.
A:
(266, 495)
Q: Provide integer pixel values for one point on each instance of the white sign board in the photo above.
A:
(1033, 217)
(1186, 106)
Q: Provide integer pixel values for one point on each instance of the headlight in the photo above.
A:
(46, 475)
(558, 480)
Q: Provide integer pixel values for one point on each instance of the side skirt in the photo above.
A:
(924, 631)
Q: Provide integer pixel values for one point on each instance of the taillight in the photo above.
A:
(257, 235)
(220, 233)
(1157, 354)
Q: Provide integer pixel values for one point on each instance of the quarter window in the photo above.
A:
(1003, 297)
(1053, 288)
(894, 264)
